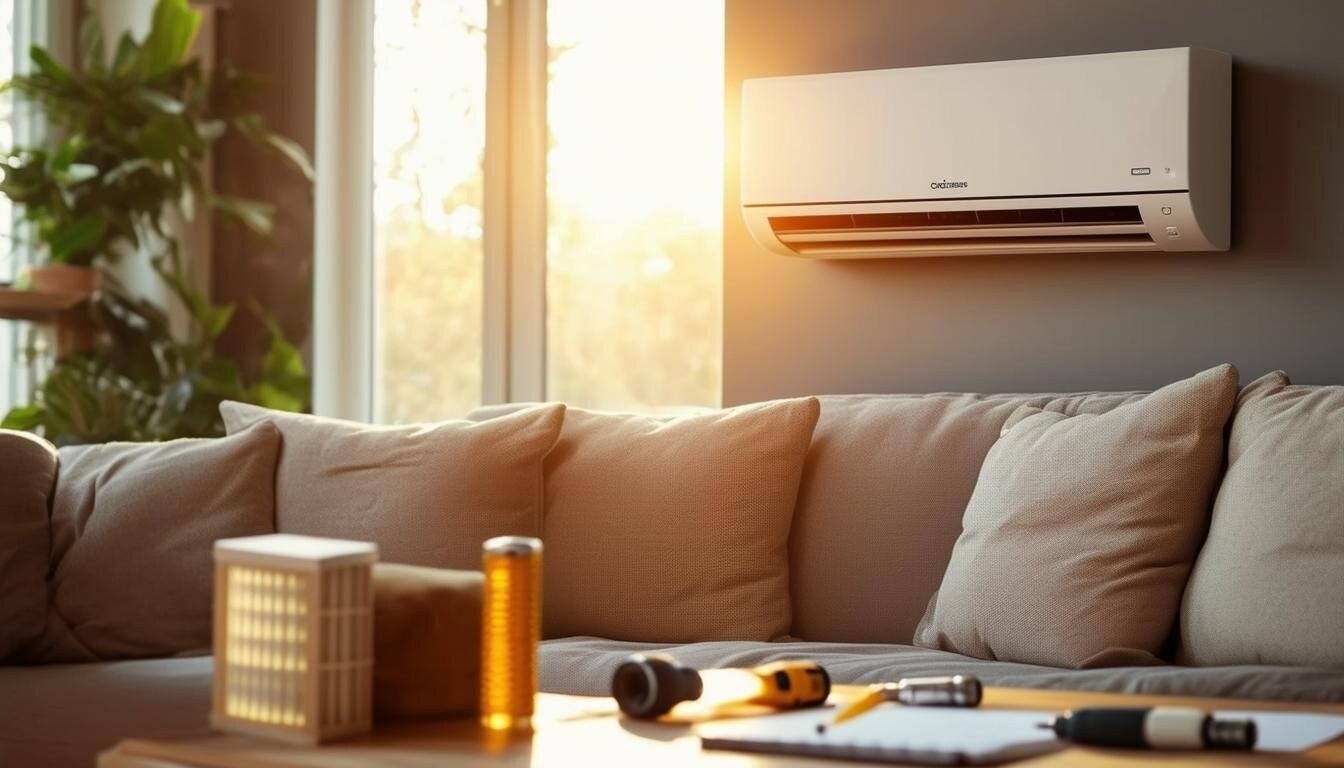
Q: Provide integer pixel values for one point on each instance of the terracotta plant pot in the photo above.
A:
(65, 280)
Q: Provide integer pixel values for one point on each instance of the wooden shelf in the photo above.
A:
(36, 307)
(67, 313)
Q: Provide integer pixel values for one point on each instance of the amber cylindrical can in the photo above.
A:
(510, 631)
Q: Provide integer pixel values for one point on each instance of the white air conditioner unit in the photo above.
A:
(1111, 152)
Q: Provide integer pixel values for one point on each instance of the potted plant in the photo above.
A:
(131, 128)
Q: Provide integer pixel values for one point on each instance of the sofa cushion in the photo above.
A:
(426, 494)
(673, 528)
(584, 666)
(886, 481)
(28, 477)
(133, 525)
(1078, 539)
(1268, 587)
(63, 715)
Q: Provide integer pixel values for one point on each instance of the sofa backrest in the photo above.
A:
(879, 508)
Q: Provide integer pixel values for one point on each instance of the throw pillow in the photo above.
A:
(1268, 587)
(879, 508)
(426, 641)
(133, 526)
(28, 477)
(1079, 536)
(673, 529)
(426, 494)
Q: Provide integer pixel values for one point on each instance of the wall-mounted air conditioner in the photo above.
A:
(1110, 152)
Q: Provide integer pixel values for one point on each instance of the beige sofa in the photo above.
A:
(884, 474)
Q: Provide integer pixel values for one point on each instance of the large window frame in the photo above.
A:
(514, 208)
(50, 24)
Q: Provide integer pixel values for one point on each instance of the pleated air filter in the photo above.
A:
(293, 637)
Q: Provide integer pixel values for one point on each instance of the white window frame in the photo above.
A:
(513, 338)
(50, 24)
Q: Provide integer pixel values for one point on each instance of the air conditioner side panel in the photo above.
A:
(1211, 145)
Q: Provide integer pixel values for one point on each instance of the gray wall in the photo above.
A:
(1076, 322)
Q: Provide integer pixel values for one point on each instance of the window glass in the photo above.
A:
(634, 203)
(9, 331)
(429, 137)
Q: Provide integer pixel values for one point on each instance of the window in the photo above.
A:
(634, 203)
(9, 256)
(546, 206)
(429, 144)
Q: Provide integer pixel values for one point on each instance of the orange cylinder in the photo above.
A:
(511, 631)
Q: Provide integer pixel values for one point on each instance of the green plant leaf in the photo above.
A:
(127, 56)
(156, 100)
(164, 138)
(79, 173)
(67, 152)
(76, 235)
(170, 35)
(284, 383)
(24, 417)
(48, 66)
(91, 43)
(215, 319)
(254, 127)
(256, 216)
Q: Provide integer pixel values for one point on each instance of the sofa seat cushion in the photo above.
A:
(584, 665)
(64, 714)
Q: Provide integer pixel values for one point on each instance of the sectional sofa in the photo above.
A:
(1185, 541)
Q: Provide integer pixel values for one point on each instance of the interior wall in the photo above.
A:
(277, 41)
(1062, 322)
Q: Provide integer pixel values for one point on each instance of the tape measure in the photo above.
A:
(649, 685)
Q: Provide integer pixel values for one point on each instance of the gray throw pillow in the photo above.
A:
(133, 526)
(1078, 539)
(1268, 587)
(426, 494)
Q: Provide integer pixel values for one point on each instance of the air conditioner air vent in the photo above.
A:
(969, 246)
(939, 220)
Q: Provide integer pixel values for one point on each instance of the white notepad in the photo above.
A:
(924, 735)
(935, 736)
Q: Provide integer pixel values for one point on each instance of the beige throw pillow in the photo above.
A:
(133, 526)
(673, 530)
(427, 494)
(879, 508)
(1077, 541)
(27, 479)
(1268, 587)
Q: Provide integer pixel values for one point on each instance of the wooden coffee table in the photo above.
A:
(580, 731)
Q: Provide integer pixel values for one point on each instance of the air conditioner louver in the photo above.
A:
(1024, 230)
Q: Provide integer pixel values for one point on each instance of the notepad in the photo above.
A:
(923, 735)
(934, 736)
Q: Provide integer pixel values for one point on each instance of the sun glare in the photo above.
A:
(636, 107)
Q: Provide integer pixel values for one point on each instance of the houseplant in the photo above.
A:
(131, 128)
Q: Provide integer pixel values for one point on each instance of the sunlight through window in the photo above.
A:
(635, 204)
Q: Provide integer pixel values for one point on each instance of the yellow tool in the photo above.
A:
(954, 691)
(649, 685)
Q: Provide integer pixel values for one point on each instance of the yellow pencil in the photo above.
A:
(876, 695)
(953, 691)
